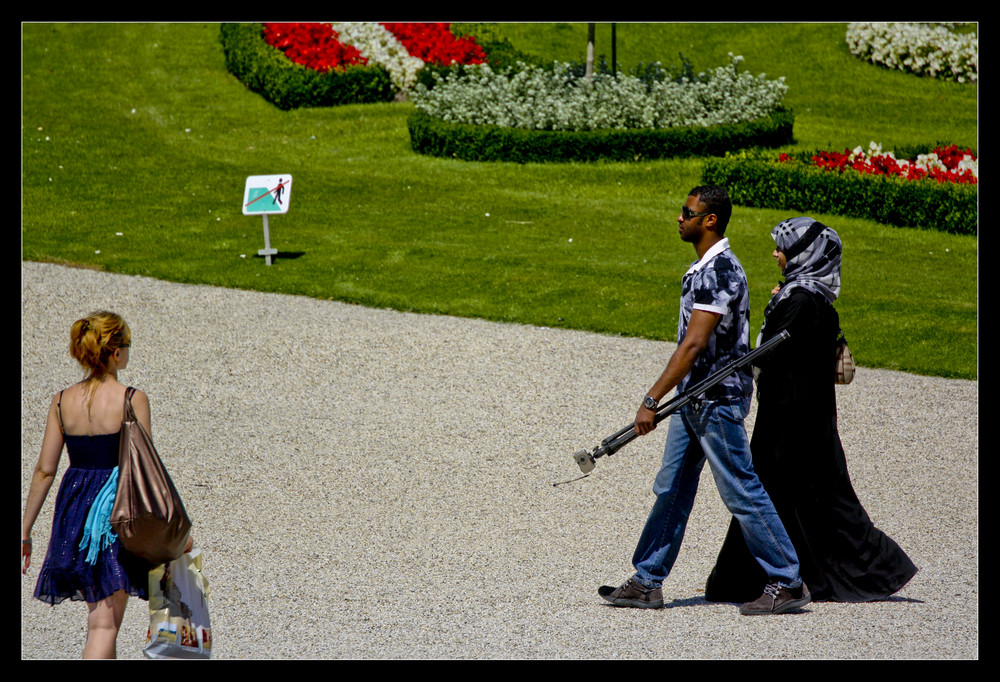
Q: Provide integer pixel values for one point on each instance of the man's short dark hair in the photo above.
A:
(716, 201)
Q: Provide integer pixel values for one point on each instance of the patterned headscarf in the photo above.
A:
(812, 258)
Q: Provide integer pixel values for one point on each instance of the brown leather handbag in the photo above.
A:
(148, 514)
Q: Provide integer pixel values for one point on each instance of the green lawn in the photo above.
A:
(138, 129)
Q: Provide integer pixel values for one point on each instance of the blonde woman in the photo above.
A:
(83, 562)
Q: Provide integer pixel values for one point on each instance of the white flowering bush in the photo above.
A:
(552, 99)
(924, 49)
(376, 43)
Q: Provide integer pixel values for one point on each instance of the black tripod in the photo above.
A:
(614, 442)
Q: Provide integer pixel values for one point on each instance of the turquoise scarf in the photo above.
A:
(97, 531)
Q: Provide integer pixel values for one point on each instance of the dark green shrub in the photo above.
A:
(758, 180)
(288, 85)
(435, 137)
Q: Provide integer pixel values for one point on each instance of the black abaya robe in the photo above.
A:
(799, 458)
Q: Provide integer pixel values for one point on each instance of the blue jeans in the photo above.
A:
(714, 432)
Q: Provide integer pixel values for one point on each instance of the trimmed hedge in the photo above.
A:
(468, 142)
(760, 181)
(288, 85)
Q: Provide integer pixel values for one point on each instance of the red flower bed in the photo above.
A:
(314, 45)
(434, 43)
(944, 164)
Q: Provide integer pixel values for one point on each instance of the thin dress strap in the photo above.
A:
(59, 405)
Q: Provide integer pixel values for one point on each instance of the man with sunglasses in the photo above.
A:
(713, 330)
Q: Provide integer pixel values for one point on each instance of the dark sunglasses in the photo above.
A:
(687, 213)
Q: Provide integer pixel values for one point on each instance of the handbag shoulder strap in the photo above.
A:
(128, 413)
(841, 339)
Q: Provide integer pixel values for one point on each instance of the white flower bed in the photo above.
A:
(541, 99)
(924, 49)
(378, 44)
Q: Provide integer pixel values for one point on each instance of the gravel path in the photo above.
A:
(371, 484)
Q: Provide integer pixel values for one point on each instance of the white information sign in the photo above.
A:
(267, 194)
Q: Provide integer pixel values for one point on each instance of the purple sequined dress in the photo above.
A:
(65, 573)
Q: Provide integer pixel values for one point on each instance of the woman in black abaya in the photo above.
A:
(796, 447)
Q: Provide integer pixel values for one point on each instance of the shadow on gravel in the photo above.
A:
(701, 601)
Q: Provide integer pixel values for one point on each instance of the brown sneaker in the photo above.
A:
(777, 600)
(634, 594)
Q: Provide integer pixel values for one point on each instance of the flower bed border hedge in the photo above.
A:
(435, 137)
(288, 85)
(759, 181)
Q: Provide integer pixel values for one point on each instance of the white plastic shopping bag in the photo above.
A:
(178, 611)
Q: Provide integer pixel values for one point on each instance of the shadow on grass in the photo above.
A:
(290, 255)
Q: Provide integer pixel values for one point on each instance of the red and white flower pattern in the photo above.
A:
(944, 164)
(402, 48)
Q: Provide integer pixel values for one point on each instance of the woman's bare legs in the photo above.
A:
(103, 622)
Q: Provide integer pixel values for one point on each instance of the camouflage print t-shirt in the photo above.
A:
(717, 283)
